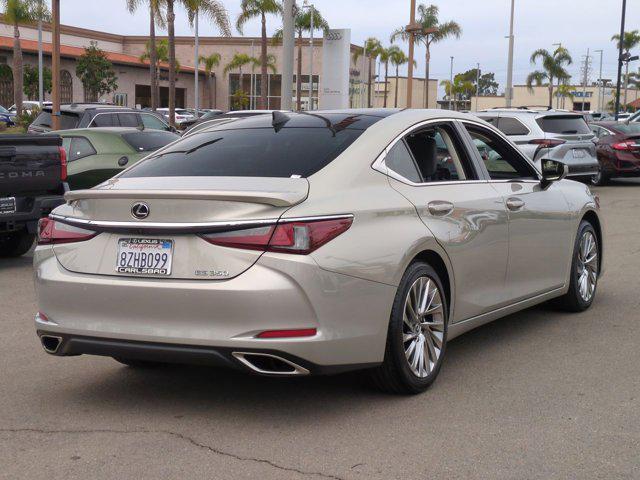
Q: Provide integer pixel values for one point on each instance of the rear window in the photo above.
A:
(67, 120)
(149, 141)
(630, 128)
(569, 125)
(251, 152)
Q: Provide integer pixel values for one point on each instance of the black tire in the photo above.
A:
(600, 179)
(15, 244)
(133, 363)
(572, 301)
(394, 375)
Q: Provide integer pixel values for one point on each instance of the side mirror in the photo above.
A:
(553, 171)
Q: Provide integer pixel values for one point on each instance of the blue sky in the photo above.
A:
(578, 24)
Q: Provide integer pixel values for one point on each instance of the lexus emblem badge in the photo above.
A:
(140, 210)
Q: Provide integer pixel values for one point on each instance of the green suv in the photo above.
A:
(97, 154)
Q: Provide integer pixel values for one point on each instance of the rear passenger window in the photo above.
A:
(77, 148)
(512, 126)
(105, 120)
(128, 119)
(152, 122)
(400, 161)
(438, 155)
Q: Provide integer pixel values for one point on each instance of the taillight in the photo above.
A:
(299, 237)
(63, 163)
(547, 142)
(50, 231)
(626, 145)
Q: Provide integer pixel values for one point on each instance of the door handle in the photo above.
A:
(439, 208)
(514, 203)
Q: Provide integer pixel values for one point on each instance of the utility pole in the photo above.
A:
(620, 58)
(600, 83)
(310, 107)
(412, 38)
(40, 65)
(451, 85)
(559, 45)
(55, 65)
(508, 94)
(477, 85)
(585, 77)
(287, 55)
(252, 81)
(197, 64)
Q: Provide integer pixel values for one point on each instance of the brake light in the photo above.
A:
(295, 333)
(52, 232)
(626, 145)
(547, 142)
(63, 163)
(299, 237)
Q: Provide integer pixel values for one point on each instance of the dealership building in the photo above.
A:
(134, 79)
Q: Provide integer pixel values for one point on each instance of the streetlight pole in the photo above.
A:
(451, 85)
(40, 66)
(600, 83)
(620, 48)
(55, 65)
(587, 61)
(559, 45)
(197, 64)
(412, 37)
(287, 55)
(310, 107)
(508, 94)
(477, 85)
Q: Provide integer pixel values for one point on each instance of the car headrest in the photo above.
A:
(426, 153)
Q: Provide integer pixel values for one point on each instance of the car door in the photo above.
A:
(432, 168)
(540, 236)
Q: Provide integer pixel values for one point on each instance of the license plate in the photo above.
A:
(144, 256)
(578, 153)
(7, 205)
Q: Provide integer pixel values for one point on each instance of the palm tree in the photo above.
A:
(156, 18)
(253, 9)
(18, 12)
(385, 58)
(432, 32)
(553, 65)
(629, 42)
(162, 55)
(210, 62)
(565, 91)
(302, 24)
(397, 59)
(371, 51)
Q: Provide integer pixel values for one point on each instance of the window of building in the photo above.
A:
(66, 87)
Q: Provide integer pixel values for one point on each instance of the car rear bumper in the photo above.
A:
(192, 320)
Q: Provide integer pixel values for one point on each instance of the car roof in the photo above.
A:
(83, 107)
(105, 130)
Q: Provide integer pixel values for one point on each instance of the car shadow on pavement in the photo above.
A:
(236, 393)
(6, 263)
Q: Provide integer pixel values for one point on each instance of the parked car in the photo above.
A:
(7, 117)
(97, 154)
(32, 183)
(89, 115)
(635, 117)
(548, 134)
(294, 244)
(29, 105)
(618, 150)
(201, 117)
(182, 115)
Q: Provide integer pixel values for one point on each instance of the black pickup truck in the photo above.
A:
(33, 172)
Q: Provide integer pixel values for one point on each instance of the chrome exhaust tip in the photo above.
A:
(50, 343)
(268, 364)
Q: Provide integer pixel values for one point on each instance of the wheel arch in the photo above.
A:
(438, 263)
(592, 217)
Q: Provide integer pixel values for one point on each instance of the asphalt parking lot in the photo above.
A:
(539, 394)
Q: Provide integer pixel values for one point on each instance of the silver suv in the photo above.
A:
(552, 134)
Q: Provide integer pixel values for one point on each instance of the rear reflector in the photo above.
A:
(63, 163)
(299, 237)
(50, 232)
(303, 332)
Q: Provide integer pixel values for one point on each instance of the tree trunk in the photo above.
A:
(210, 89)
(17, 70)
(299, 74)
(395, 104)
(386, 81)
(427, 68)
(551, 93)
(171, 17)
(153, 58)
(263, 70)
(215, 92)
(369, 85)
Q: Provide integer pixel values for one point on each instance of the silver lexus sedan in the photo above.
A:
(314, 243)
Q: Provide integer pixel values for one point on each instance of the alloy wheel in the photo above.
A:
(587, 266)
(423, 326)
